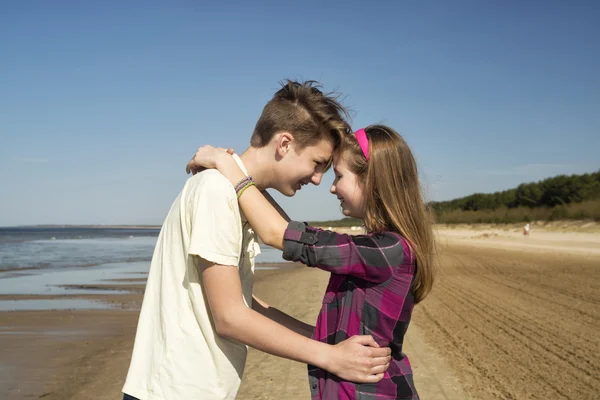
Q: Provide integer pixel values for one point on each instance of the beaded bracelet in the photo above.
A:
(242, 182)
(243, 188)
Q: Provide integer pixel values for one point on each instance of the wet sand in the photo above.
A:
(85, 354)
(510, 318)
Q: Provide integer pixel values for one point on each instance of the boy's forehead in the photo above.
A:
(322, 150)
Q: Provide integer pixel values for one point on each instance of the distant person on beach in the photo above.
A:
(526, 229)
(376, 278)
(199, 315)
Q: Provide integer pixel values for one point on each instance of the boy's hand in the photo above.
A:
(359, 359)
(205, 158)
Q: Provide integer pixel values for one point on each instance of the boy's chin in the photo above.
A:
(288, 192)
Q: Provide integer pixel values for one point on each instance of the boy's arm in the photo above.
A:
(273, 313)
(353, 359)
(282, 318)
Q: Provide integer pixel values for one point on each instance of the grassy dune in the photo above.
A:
(587, 210)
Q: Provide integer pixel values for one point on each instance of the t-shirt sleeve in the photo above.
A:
(216, 233)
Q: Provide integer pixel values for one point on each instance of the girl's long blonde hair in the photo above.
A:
(393, 198)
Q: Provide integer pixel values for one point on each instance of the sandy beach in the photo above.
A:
(511, 317)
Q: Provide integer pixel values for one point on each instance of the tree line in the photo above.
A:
(563, 196)
(550, 192)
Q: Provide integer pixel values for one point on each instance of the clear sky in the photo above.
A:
(103, 103)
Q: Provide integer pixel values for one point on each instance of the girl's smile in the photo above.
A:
(348, 190)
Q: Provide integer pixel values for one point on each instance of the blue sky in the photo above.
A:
(102, 103)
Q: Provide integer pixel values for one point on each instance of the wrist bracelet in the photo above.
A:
(243, 189)
(242, 182)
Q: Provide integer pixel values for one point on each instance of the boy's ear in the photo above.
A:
(285, 143)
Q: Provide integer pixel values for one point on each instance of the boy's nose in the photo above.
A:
(316, 179)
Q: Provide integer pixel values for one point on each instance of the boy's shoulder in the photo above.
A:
(210, 177)
(210, 182)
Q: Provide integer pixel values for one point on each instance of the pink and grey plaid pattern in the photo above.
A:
(368, 294)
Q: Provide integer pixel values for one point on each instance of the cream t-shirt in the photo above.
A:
(177, 353)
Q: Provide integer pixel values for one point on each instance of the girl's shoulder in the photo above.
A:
(393, 244)
(387, 237)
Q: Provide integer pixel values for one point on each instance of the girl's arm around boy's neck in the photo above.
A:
(263, 217)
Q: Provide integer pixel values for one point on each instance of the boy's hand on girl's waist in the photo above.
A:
(359, 359)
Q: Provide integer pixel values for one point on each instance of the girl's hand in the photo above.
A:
(206, 158)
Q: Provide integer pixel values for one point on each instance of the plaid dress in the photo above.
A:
(368, 294)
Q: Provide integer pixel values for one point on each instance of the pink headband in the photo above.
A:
(363, 142)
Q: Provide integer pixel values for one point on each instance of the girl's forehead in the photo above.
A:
(339, 162)
(336, 157)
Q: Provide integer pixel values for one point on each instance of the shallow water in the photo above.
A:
(56, 261)
(37, 249)
(53, 304)
(55, 281)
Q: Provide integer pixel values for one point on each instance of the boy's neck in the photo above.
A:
(258, 165)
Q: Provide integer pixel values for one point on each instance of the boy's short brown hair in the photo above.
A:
(306, 112)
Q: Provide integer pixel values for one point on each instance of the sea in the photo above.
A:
(53, 263)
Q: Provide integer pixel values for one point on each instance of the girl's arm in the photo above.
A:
(372, 257)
